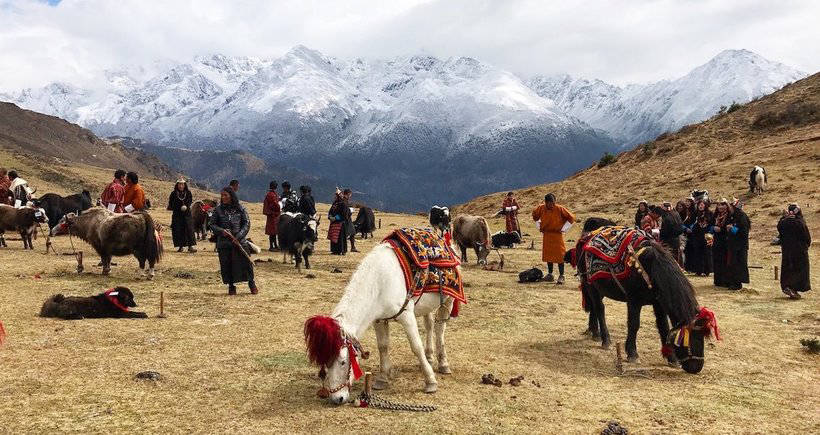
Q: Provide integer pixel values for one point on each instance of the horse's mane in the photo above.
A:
(323, 337)
(675, 292)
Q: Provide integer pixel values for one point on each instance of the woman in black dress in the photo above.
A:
(698, 251)
(182, 224)
(794, 242)
(230, 224)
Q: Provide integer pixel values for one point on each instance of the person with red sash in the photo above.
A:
(510, 207)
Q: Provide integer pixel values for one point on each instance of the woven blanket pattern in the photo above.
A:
(428, 263)
(607, 248)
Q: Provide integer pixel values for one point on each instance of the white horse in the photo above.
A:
(758, 180)
(376, 291)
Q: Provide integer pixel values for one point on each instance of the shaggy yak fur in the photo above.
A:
(472, 231)
(365, 222)
(23, 220)
(297, 235)
(440, 218)
(115, 234)
(506, 240)
(94, 307)
(200, 217)
(57, 206)
(593, 223)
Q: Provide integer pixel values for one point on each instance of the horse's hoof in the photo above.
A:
(445, 370)
(632, 359)
(429, 359)
(605, 346)
(379, 384)
(431, 388)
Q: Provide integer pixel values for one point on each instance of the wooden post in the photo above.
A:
(161, 305)
(368, 383)
(619, 362)
(775, 273)
(79, 261)
(380, 223)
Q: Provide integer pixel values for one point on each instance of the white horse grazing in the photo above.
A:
(758, 180)
(376, 291)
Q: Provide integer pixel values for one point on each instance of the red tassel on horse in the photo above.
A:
(710, 325)
(2, 333)
(456, 305)
(323, 338)
(354, 362)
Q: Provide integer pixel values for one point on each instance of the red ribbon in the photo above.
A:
(113, 299)
(2, 333)
(354, 362)
(711, 321)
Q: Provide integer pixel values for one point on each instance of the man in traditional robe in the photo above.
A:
(134, 197)
(5, 183)
(553, 218)
(271, 210)
(794, 243)
(651, 223)
(113, 194)
(510, 207)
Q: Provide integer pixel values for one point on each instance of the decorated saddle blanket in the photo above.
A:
(428, 262)
(606, 251)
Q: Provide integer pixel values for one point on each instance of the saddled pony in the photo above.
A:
(376, 291)
(654, 279)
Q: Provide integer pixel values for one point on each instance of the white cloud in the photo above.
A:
(622, 41)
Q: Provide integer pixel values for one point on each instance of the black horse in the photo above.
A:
(666, 289)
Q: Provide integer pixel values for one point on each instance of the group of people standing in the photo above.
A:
(717, 241)
(14, 190)
(274, 205)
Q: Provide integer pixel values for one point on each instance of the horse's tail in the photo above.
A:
(675, 292)
(152, 242)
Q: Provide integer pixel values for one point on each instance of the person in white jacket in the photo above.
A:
(19, 189)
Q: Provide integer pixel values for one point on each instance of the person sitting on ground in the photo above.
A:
(553, 218)
(230, 224)
(182, 222)
(272, 211)
(114, 193)
(134, 198)
(795, 240)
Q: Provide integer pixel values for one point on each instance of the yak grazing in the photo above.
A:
(472, 231)
(115, 234)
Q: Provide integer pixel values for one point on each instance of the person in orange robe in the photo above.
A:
(134, 197)
(552, 218)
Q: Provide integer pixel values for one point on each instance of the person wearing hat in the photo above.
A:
(795, 240)
(553, 219)
(182, 223)
(272, 211)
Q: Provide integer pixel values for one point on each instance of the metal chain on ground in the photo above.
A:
(374, 401)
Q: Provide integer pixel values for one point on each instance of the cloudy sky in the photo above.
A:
(619, 41)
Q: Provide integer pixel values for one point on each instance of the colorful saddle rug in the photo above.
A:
(606, 251)
(428, 262)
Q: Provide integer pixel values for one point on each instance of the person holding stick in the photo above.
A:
(230, 224)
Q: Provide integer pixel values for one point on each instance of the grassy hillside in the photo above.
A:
(53, 142)
(780, 131)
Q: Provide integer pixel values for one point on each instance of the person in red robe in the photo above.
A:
(114, 193)
(651, 223)
(510, 207)
(271, 210)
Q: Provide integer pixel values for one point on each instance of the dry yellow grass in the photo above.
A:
(237, 364)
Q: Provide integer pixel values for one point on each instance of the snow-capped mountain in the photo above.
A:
(637, 113)
(407, 131)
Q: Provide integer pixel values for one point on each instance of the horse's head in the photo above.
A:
(688, 342)
(483, 252)
(63, 224)
(336, 355)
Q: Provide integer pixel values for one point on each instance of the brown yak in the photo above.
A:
(472, 231)
(199, 212)
(115, 234)
(23, 220)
